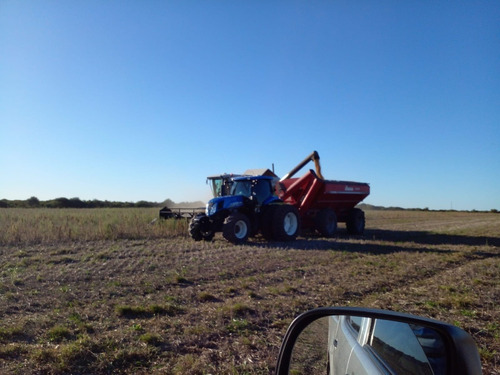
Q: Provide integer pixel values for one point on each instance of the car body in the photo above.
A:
(358, 340)
(361, 345)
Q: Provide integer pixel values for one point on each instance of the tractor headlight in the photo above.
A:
(211, 208)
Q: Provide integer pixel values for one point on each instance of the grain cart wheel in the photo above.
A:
(286, 223)
(326, 222)
(355, 223)
(236, 228)
(200, 228)
(266, 224)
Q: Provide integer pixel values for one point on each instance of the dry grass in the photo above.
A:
(103, 291)
(23, 226)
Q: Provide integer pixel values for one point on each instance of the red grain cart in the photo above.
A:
(323, 203)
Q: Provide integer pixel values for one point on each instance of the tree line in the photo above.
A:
(365, 206)
(34, 202)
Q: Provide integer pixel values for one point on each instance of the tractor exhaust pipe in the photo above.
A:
(314, 157)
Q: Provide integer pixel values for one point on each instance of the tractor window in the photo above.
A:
(226, 187)
(262, 190)
(241, 188)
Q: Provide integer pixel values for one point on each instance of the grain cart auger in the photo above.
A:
(323, 203)
(313, 157)
(251, 207)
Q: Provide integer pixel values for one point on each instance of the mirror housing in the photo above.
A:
(461, 350)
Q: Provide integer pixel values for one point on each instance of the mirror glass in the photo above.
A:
(340, 345)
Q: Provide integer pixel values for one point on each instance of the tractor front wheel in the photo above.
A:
(286, 223)
(236, 228)
(200, 228)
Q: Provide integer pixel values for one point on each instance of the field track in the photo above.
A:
(154, 301)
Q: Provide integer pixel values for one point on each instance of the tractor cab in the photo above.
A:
(257, 188)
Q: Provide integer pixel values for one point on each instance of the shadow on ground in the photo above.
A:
(399, 241)
(427, 238)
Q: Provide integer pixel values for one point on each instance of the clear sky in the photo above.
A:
(141, 100)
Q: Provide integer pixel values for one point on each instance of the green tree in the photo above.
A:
(33, 202)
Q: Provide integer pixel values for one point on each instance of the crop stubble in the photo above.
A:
(172, 305)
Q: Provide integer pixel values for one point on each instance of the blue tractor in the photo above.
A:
(250, 208)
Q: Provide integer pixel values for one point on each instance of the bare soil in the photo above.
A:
(176, 306)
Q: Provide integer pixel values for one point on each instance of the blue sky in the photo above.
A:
(141, 100)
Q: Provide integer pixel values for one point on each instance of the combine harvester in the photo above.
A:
(220, 185)
(279, 208)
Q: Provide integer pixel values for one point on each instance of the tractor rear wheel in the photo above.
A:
(286, 223)
(326, 222)
(355, 223)
(266, 224)
(236, 228)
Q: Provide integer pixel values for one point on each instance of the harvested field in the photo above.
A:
(100, 291)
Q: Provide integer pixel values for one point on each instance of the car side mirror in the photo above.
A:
(345, 340)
